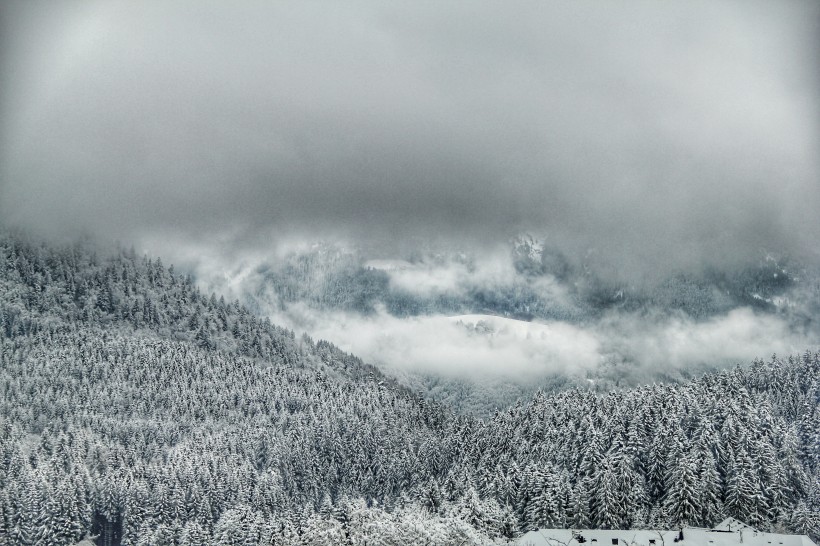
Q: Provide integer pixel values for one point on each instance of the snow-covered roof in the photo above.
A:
(730, 536)
(747, 537)
(732, 524)
(598, 537)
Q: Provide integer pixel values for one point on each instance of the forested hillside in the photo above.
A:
(136, 407)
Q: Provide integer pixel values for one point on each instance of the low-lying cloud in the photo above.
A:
(477, 347)
(455, 275)
(643, 345)
(460, 346)
(675, 343)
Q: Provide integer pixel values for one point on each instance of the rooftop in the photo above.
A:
(729, 532)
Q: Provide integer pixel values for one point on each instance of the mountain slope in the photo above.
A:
(135, 407)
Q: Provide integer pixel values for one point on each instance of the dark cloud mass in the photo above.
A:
(659, 133)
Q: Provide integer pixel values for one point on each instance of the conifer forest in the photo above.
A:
(136, 405)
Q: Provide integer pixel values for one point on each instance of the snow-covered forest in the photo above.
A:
(136, 406)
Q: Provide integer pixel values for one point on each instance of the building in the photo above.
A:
(730, 532)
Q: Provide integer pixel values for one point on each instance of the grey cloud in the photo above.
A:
(661, 134)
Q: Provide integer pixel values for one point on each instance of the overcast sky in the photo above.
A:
(656, 132)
